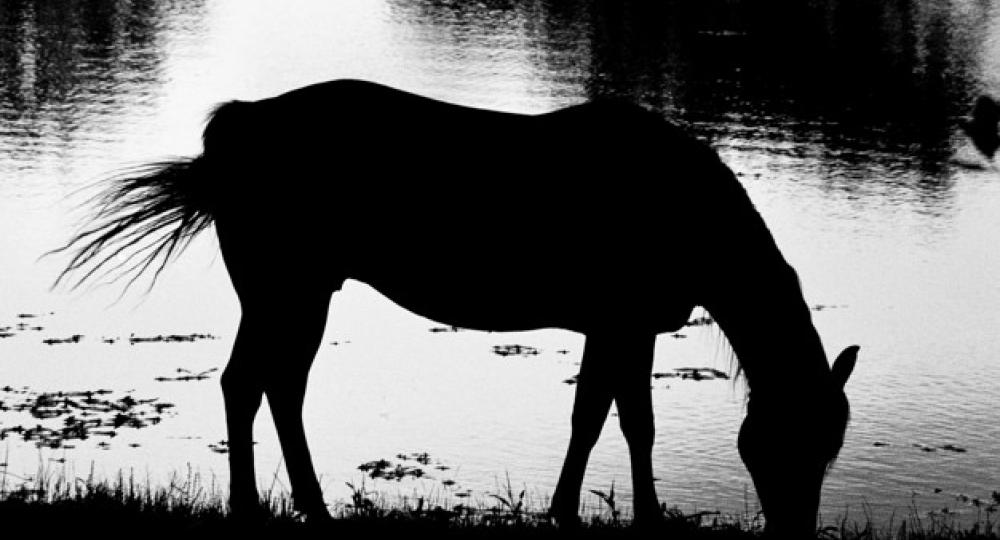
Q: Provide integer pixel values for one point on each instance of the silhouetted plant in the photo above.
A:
(361, 504)
(609, 501)
(514, 506)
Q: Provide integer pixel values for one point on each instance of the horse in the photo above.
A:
(603, 218)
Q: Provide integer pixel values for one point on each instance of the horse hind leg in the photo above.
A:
(242, 392)
(263, 364)
(285, 388)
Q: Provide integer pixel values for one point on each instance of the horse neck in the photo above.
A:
(759, 306)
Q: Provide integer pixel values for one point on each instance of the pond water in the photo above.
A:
(841, 121)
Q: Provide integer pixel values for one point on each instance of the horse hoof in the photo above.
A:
(248, 513)
(319, 518)
(564, 519)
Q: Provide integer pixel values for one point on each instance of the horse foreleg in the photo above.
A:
(635, 415)
(242, 391)
(285, 388)
(594, 393)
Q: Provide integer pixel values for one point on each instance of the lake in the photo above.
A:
(841, 120)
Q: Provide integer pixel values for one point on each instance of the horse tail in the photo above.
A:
(149, 214)
(144, 219)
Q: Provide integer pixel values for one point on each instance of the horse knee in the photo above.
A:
(240, 389)
(639, 431)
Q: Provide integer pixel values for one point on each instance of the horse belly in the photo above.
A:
(482, 302)
(522, 296)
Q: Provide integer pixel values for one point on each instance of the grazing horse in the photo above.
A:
(601, 218)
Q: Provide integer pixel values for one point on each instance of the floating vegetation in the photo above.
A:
(515, 350)
(821, 307)
(693, 373)
(989, 504)
(445, 329)
(422, 458)
(684, 373)
(187, 375)
(11, 330)
(385, 469)
(221, 447)
(700, 374)
(75, 338)
(388, 470)
(84, 414)
(926, 448)
(172, 338)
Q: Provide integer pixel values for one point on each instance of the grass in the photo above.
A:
(55, 505)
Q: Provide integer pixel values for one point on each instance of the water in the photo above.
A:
(842, 125)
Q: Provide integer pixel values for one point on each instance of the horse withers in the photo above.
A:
(602, 218)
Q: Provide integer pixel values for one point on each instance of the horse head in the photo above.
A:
(789, 441)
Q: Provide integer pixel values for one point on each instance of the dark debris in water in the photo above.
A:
(188, 375)
(422, 458)
(445, 329)
(75, 338)
(408, 466)
(822, 307)
(83, 414)
(25, 324)
(385, 469)
(684, 373)
(171, 338)
(515, 350)
(989, 504)
(13, 329)
(693, 373)
(945, 447)
(926, 448)
(221, 447)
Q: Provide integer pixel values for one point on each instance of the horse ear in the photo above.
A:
(844, 365)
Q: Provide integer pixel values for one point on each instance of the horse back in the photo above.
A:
(444, 208)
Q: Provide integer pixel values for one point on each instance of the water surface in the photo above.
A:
(840, 120)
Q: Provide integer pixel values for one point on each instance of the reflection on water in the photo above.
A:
(898, 75)
(72, 67)
(839, 117)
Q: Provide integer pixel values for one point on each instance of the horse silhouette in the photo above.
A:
(601, 218)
